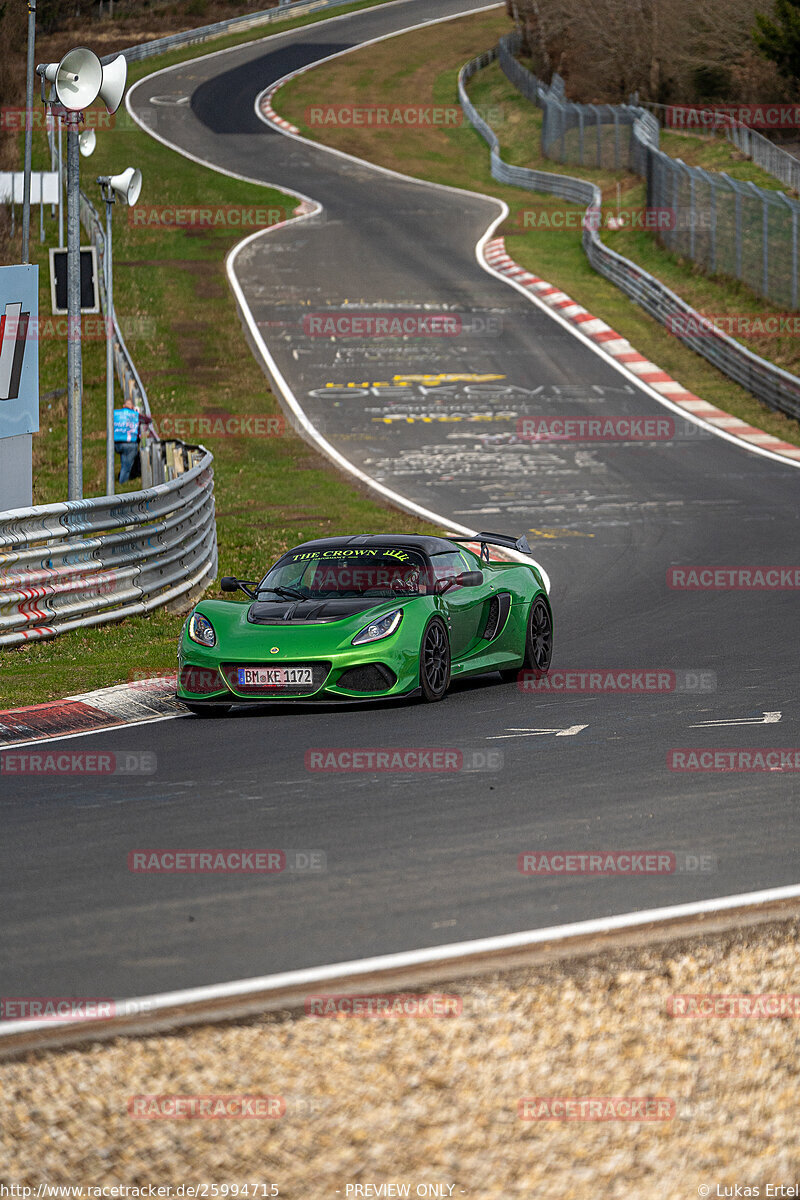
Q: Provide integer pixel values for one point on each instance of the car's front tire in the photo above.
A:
(207, 710)
(434, 661)
(538, 643)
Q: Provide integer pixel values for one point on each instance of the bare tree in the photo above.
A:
(666, 50)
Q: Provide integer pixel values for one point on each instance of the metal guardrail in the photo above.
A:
(190, 37)
(776, 387)
(86, 562)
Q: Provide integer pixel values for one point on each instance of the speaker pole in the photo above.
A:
(26, 183)
(60, 189)
(108, 196)
(74, 364)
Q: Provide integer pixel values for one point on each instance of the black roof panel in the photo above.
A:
(417, 541)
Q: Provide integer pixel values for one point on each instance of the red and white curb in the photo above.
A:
(108, 708)
(620, 349)
(269, 111)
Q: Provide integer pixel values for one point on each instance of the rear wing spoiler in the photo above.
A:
(497, 539)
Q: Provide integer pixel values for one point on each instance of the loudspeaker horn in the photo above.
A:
(87, 140)
(112, 87)
(77, 78)
(127, 185)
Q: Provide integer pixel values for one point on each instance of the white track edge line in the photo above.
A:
(149, 1005)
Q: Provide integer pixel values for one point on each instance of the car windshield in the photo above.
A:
(346, 571)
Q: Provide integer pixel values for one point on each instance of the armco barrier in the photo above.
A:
(86, 562)
(777, 388)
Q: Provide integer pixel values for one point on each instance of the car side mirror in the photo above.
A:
(229, 583)
(465, 579)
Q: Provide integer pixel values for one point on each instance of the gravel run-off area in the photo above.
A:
(431, 1104)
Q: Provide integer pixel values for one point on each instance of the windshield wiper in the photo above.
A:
(289, 593)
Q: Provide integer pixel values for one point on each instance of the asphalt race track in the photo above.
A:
(415, 860)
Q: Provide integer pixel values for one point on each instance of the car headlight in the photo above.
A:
(201, 630)
(380, 628)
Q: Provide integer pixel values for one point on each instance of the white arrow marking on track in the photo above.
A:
(570, 731)
(768, 718)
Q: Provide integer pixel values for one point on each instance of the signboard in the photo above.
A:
(44, 187)
(90, 297)
(19, 350)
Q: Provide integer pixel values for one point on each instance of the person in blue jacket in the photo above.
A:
(126, 438)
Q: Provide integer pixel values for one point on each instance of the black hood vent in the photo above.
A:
(309, 612)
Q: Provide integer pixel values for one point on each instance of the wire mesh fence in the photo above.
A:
(725, 225)
(776, 387)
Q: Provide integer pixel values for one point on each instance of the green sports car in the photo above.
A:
(365, 618)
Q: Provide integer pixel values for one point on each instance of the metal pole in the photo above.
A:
(74, 364)
(765, 247)
(26, 185)
(52, 143)
(41, 206)
(109, 348)
(60, 191)
(794, 257)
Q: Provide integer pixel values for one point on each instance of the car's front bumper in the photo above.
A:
(205, 676)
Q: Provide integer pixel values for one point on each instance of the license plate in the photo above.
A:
(273, 676)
